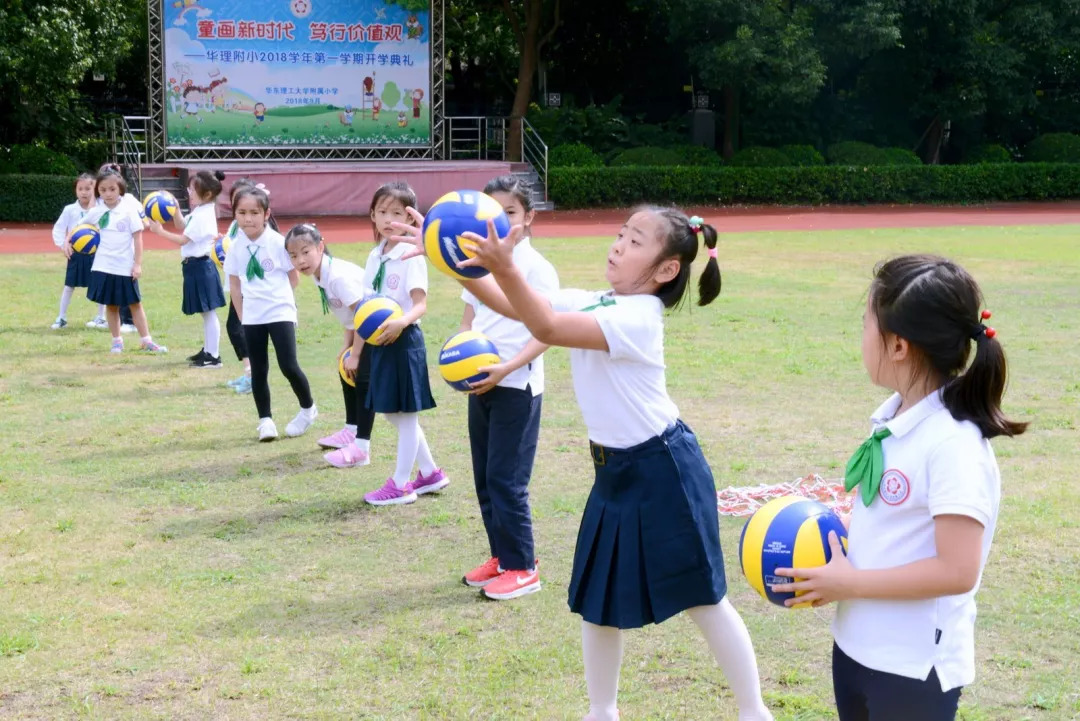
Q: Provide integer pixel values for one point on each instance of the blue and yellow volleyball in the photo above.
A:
(85, 238)
(161, 206)
(221, 248)
(787, 532)
(452, 215)
(372, 313)
(341, 367)
(463, 355)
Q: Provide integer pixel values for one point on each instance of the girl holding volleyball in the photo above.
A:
(114, 277)
(78, 264)
(130, 202)
(341, 286)
(504, 417)
(399, 387)
(261, 282)
(648, 547)
(202, 285)
(929, 491)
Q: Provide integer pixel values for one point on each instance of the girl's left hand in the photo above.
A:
(495, 375)
(494, 253)
(835, 581)
(155, 226)
(390, 330)
(136, 271)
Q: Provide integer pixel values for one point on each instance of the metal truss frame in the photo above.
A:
(159, 151)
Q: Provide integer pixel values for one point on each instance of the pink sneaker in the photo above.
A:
(347, 457)
(338, 440)
(435, 482)
(390, 495)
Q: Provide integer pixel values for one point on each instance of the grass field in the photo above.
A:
(158, 563)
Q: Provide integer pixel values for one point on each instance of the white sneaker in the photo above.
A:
(127, 328)
(98, 323)
(59, 323)
(267, 429)
(298, 426)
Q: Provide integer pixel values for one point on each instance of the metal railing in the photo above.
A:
(127, 143)
(534, 151)
(480, 137)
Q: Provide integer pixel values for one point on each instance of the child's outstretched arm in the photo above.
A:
(176, 238)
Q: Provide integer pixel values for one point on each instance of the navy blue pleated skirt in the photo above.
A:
(399, 375)
(649, 543)
(113, 289)
(78, 270)
(202, 286)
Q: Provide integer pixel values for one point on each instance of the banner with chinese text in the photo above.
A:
(297, 72)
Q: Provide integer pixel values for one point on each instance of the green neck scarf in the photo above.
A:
(604, 301)
(322, 291)
(254, 267)
(103, 221)
(379, 276)
(866, 466)
(232, 229)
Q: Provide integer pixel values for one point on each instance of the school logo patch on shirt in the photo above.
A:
(267, 264)
(335, 303)
(123, 225)
(393, 281)
(895, 487)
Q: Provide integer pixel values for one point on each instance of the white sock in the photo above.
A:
(423, 454)
(147, 339)
(65, 300)
(363, 444)
(602, 649)
(730, 644)
(211, 333)
(408, 430)
(350, 428)
(101, 311)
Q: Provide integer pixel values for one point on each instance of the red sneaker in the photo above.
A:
(511, 584)
(483, 574)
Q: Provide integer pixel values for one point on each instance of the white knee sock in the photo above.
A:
(424, 460)
(730, 644)
(101, 310)
(602, 649)
(211, 333)
(65, 300)
(408, 440)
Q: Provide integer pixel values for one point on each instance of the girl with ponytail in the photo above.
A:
(649, 547)
(928, 490)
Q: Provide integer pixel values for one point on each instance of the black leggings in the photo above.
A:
(236, 334)
(356, 411)
(283, 334)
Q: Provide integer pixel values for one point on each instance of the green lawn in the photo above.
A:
(158, 563)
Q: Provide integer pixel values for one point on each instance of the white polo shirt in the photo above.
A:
(116, 251)
(73, 215)
(343, 283)
(201, 232)
(511, 336)
(400, 277)
(622, 392)
(934, 465)
(268, 299)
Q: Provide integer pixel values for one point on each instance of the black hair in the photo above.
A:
(247, 183)
(207, 184)
(398, 190)
(260, 197)
(110, 172)
(680, 241)
(306, 233)
(85, 176)
(514, 187)
(934, 305)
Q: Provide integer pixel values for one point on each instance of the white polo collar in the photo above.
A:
(900, 425)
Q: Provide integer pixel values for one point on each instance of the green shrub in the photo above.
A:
(646, 156)
(989, 154)
(38, 159)
(627, 186)
(1053, 148)
(35, 198)
(802, 155)
(573, 155)
(696, 155)
(900, 156)
(855, 153)
(756, 156)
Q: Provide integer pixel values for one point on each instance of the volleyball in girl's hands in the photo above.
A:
(787, 532)
(452, 215)
(372, 313)
(221, 248)
(85, 238)
(161, 206)
(463, 355)
(341, 368)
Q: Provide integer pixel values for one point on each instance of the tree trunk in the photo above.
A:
(731, 120)
(530, 38)
(934, 135)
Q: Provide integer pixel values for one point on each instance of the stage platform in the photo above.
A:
(320, 188)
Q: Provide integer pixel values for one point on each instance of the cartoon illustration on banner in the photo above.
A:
(297, 72)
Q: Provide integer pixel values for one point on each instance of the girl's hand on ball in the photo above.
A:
(156, 227)
(835, 581)
(410, 234)
(495, 375)
(136, 271)
(67, 250)
(389, 331)
(350, 365)
(494, 253)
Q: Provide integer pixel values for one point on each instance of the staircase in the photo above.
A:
(537, 193)
(128, 148)
(487, 138)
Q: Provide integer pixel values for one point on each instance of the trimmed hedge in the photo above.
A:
(1053, 148)
(900, 156)
(802, 155)
(855, 152)
(646, 155)
(35, 198)
(36, 158)
(574, 155)
(625, 186)
(992, 153)
(757, 156)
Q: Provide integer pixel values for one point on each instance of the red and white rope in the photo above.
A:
(744, 500)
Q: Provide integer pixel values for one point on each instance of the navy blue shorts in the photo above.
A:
(78, 270)
(649, 543)
(399, 375)
(202, 286)
(863, 694)
(110, 289)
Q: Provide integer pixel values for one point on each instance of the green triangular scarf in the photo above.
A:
(604, 301)
(866, 466)
(254, 267)
(379, 277)
(232, 229)
(103, 221)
